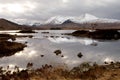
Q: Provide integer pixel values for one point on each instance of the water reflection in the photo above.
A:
(85, 41)
(70, 47)
(108, 60)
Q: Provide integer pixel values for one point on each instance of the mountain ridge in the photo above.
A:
(85, 21)
(9, 25)
(86, 18)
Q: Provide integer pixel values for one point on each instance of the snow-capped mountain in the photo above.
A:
(86, 18)
(58, 20)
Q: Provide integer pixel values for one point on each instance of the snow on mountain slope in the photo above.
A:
(58, 20)
(86, 18)
(105, 20)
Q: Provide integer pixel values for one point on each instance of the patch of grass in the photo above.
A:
(6, 37)
(48, 72)
(9, 48)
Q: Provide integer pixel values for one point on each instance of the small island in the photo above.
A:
(108, 34)
(26, 31)
(7, 45)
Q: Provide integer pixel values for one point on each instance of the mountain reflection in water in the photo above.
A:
(92, 50)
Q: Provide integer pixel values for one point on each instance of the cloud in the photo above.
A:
(41, 10)
(16, 7)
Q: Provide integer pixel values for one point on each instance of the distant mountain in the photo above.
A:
(86, 18)
(6, 25)
(68, 22)
(86, 21)
(57, 20)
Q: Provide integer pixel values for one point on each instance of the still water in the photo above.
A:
(46, 43)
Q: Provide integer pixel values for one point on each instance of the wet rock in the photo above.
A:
(57, 52)
(52, 36)
(45, 32)
(80, 55)
(26, 42)
(62, 55)
(42, 55)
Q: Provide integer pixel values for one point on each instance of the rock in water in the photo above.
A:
(80, 55)
(57, 52)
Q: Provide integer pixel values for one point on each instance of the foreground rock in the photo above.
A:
(80, 55)
(57, 52)
(9, 48)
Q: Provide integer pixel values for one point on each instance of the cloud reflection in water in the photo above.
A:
(84, 41)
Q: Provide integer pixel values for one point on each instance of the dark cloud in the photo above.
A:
(41, 10)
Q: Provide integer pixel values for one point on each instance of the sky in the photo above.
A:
(27, 11)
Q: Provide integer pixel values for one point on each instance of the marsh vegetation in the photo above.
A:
(84, 71)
